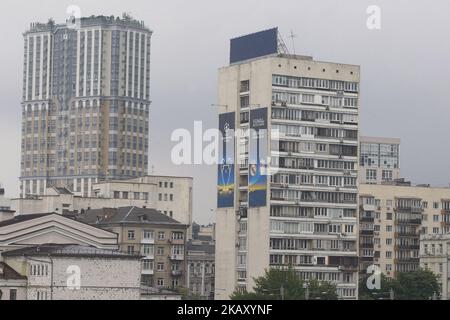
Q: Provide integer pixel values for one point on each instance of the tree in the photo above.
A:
(417, 285)
(384, 293)
(322, 290)
(285, 284)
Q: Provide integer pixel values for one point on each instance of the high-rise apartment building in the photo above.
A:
(85, 103)
(304, 214)
(379, 160)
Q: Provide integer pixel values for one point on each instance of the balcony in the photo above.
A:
(177, 241)
(177, 273)
(147, 271)
(147, 241)
(176, 257)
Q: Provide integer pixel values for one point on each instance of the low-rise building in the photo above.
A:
(13, 285)
(201, 267)
(435, 256)
(172, 196)
(160, 239)
(76, 272)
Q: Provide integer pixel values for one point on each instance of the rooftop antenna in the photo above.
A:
(293, 36)
(281, 45)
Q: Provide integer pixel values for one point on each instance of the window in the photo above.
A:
(116, 194)
(148, 249)
(125, 195)
(389, 254)
(388, 228)
(160, 251)
(148, 234)
(160, 197)
(177, 250)
(371, 174)
(435, 230)
(386, 175)
(13, 294)
(171, 185)
(171, 197)
(160, 282)
(388, 241)
(130, 249)
(436, 218)
(388, 215)
(435, 205)
(137, 195)
(147, 264)
(177, 235)
(161, 235)
(160, 266)
(130, 234)
(165, 184)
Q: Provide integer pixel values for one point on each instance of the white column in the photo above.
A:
(100, 55)
(41, 67)
(92, 61)
(127, 54)
(26, 69)
(133, 63)
(33, 81)
(89, 186)
(77, 84)
(85, 63)
(139, 66)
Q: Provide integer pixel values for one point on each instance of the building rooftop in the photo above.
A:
(106, 216)
(22, 218)
(8, 273)
(207, 248)
(67, 250)
(99, 20)
(379, 140)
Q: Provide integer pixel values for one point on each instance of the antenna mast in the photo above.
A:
(293, 36)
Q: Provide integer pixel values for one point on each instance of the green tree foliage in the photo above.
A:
(417, 285)
(322, 290)
(278, 284)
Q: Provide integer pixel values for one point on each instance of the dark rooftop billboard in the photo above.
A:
(254, 45)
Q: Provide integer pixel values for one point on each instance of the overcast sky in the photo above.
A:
(405, 70)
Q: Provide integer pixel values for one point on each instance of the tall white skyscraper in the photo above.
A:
(305, 214)
(85, 103)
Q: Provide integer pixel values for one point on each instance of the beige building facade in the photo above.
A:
(392, 219)
(435, 256)
(159, 239)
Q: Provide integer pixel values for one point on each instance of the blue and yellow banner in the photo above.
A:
(225, 174)
(257, 173)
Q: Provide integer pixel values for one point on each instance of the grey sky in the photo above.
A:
(404, 87)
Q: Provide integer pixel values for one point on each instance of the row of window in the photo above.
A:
(149, 235)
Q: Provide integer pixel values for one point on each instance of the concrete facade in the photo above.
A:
(392, 219)
(379, 160)
(172, 196)
(52, 273)
(302, 93)
(85, 103)
(160, 240)
(435, 256)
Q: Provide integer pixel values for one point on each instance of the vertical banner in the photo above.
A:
(225, 175)
(257, 173)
